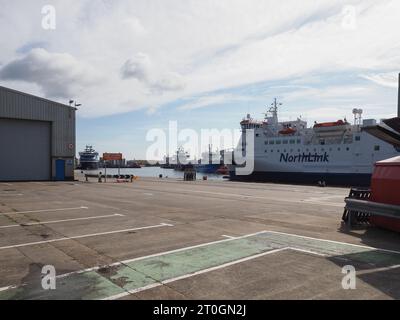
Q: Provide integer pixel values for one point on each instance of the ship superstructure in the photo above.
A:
(89, 159)
(210, 161)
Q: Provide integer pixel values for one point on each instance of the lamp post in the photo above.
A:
(73, 102)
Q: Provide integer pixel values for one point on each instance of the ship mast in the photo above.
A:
(274, 111)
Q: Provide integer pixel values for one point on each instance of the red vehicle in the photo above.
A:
(379, 205)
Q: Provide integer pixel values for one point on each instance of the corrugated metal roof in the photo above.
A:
(36, 97)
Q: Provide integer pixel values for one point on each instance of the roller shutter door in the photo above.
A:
(25, 150)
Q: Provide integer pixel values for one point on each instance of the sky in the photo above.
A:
(136, 65)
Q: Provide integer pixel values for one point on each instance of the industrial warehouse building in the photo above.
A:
(37, 138)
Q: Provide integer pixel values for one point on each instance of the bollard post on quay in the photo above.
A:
(100, 179)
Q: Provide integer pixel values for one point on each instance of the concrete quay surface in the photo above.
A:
(169, 239)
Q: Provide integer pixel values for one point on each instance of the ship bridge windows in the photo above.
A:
(271, 141)
(357, 138)
(285, 142)
(377, 148)
(278, 141)
(298, 141)
(292, 141)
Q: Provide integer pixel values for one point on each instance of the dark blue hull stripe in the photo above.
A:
(333, 179)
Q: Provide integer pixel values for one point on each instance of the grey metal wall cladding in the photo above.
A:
(19, 105)
(25, 148)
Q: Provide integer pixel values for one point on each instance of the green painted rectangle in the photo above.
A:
(118, 279)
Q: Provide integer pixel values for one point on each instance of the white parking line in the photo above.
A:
(11, 194)
(44, 210)
(7, 288)
(58, 221)
(85, 236)
(362, 272)
(244, 196)
(332, 241)
(228, 237)
(306, 251)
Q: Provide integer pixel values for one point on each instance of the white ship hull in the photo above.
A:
(309, 157)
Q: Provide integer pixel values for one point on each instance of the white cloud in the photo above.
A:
(141, 68)
(213, 100)
(206, 101)
(137, 67)
(149, 53)
(58, 75)
(387, 79)
(170, 81)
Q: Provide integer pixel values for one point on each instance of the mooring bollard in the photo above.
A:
(189, 173)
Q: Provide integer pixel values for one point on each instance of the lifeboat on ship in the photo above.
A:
(330, 124)
(287, 131)
(332, 127)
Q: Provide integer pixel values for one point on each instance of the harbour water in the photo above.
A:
(152, 172)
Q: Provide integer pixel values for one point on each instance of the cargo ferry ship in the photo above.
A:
(334, 153)
(89, 159)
